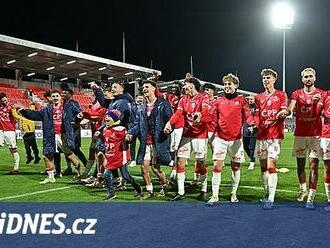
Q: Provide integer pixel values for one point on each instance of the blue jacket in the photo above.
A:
(70, 111)
(161, 114)
(246, 132)
(124, 103)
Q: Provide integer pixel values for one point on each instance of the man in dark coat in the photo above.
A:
(154, 147)
(57, 131)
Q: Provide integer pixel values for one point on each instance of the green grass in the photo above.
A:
(28, 181)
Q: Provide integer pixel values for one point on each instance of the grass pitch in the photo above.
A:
(25, 187)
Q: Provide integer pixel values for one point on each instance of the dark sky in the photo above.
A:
(222, 36)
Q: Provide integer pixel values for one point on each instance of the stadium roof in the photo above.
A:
(34, 57)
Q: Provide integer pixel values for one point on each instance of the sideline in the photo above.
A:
(34, 193)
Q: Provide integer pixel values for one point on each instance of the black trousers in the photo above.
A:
(30, 142)
(249, 144)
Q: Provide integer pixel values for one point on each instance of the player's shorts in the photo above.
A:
(150, 153)
(268, 149)
(8, 138)
(175, 139)
(308, 146)
(234, 148)
(61, 144)
(325, 148)
(197, 145)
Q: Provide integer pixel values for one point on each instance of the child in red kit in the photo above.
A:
(116, 153)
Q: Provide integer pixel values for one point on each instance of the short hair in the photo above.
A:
(55, 91)
(107, 88)
(310, 69)
(48, 93)
(268, 72)
(231, 78)
(193, 81)
(2, 95)
(153, 83)
(208, 86)
(119, 83)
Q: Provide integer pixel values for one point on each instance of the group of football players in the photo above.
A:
(175, 126)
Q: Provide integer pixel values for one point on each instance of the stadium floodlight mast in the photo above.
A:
(283, 18)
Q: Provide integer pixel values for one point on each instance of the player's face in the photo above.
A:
(66, 95)
(308, 79)
(230, 87)
(117, 89)
(188, 88)
(251, 100)
(56, 98)
(139, 100)
(108, 121)
(268, 81)
(108, 95)
(4, 101)
(209, 92)
(148, 90)
(176, 90)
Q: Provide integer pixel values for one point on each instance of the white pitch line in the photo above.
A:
(34, 193)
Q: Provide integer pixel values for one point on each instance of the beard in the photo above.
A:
(309, 84)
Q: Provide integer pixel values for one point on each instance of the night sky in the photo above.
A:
(222, 36)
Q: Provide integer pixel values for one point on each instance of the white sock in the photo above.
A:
(150, 188)
(303, 187)
(264, 179)
(216, 181)
(327, 190)
(311, 195)
(181, 178)
(235, 178)
(203, 180)
(173, 174)
(50, 174)
(272, 184)
(16, 160)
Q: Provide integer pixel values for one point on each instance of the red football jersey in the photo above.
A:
(96, 111)
(116, 151)
(187, 107)
(57, 118)
(325, 103)
(7, 120)
(267, 107)
(150, 134)
(230, 115)
(174, 102)
(212, 126)
(308, 120)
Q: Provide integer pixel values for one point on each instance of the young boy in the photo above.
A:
(116, 153)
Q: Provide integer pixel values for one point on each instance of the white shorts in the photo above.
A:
(325, 148)
(175, 139)
(234, 147)
(306, 146)
(268, 149)
(150, 152)
(8, 138)
(197, 145)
